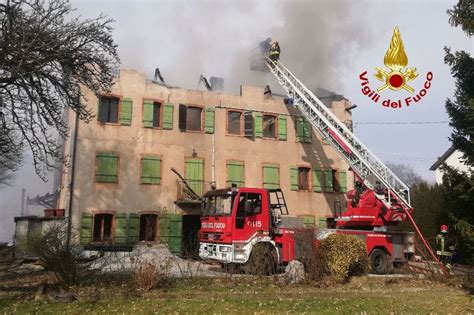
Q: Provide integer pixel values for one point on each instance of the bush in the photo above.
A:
(67, 264)
(314, 260)
(344, 255)
(147, 276)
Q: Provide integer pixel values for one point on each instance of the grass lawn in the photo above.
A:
(247, 295)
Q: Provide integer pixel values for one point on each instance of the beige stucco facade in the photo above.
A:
(173, 146)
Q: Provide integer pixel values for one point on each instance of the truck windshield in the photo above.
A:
(218, 205)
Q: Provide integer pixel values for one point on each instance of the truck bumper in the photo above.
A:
(220, 252)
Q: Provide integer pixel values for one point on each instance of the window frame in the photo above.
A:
(241, 132)
(119, 109)
(154, 100)
(309, 177)
(112, 226)
(157, 226)
(276, 133)
(203, 109)
(96, 167)
(144, 155)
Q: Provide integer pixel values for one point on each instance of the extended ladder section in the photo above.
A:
(362, 161)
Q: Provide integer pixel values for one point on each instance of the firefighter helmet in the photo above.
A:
(444, 228)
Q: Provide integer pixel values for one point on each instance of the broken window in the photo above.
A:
(269, 126)
(234, 122)
(148, 227)
(108, 109)
(102, 227)
(193, 118)
(190, 118)
(303, 178)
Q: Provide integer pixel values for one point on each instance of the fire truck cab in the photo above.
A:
(235, 221)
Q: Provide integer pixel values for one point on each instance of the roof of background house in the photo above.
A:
(442, 158)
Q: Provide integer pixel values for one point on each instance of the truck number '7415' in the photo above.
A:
(257, 224)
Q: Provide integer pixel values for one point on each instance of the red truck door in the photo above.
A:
(251, 219)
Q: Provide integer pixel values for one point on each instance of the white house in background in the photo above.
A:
(452, 158)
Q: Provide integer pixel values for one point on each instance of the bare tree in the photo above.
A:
(406, 173)
(46, 55)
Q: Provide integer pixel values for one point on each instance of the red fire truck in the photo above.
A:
(237, 221)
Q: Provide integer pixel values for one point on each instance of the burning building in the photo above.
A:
(121, 183)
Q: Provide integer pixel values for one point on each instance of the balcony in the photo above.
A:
(191, 196)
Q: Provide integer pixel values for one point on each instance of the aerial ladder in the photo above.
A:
(364, 163)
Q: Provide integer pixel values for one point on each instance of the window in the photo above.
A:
(102, 227)
(234, 123)
(148, 227)
(235, 173)
(190, 118)
(303, 178)
(335, 180)
(152, 114)
(254, 201)
(194, 174)
(271, 176)
(108, 109)
(193, 118)
(269, 126)
(150, 170)
(106, 167)
(303, 130)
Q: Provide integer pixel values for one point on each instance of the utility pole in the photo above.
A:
(71, 184)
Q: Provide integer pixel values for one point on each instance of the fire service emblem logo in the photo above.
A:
(395, 77)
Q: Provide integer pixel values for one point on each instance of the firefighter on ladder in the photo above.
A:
(274, 53)
(442, 241)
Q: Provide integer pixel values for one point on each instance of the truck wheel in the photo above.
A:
(380, 262)
(262, 261)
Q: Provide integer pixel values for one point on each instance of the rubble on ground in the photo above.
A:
(294, 272)
(158, 255)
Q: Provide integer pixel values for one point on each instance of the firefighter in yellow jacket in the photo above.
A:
(274, 52)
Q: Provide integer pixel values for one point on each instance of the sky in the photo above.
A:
(326, 44)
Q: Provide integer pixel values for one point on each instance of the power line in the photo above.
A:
(399, 122)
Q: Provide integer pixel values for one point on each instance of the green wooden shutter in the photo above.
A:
(164, 228)
(281, 127)
(120, 228)
(306, 131)
(271, 176)
(133, 226)
(168, 116)
(309, 221)
(126, 112)
(294, 178)
(258, 125)
(235, 173)
(151, 170)
(303, 130)
(328, 186)
(106, 169)
(103, 111)
(195, 174)
(175, 234)
(86, 228)
(317, 180)
(342, 181)
(148, 113)
(209, 120)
